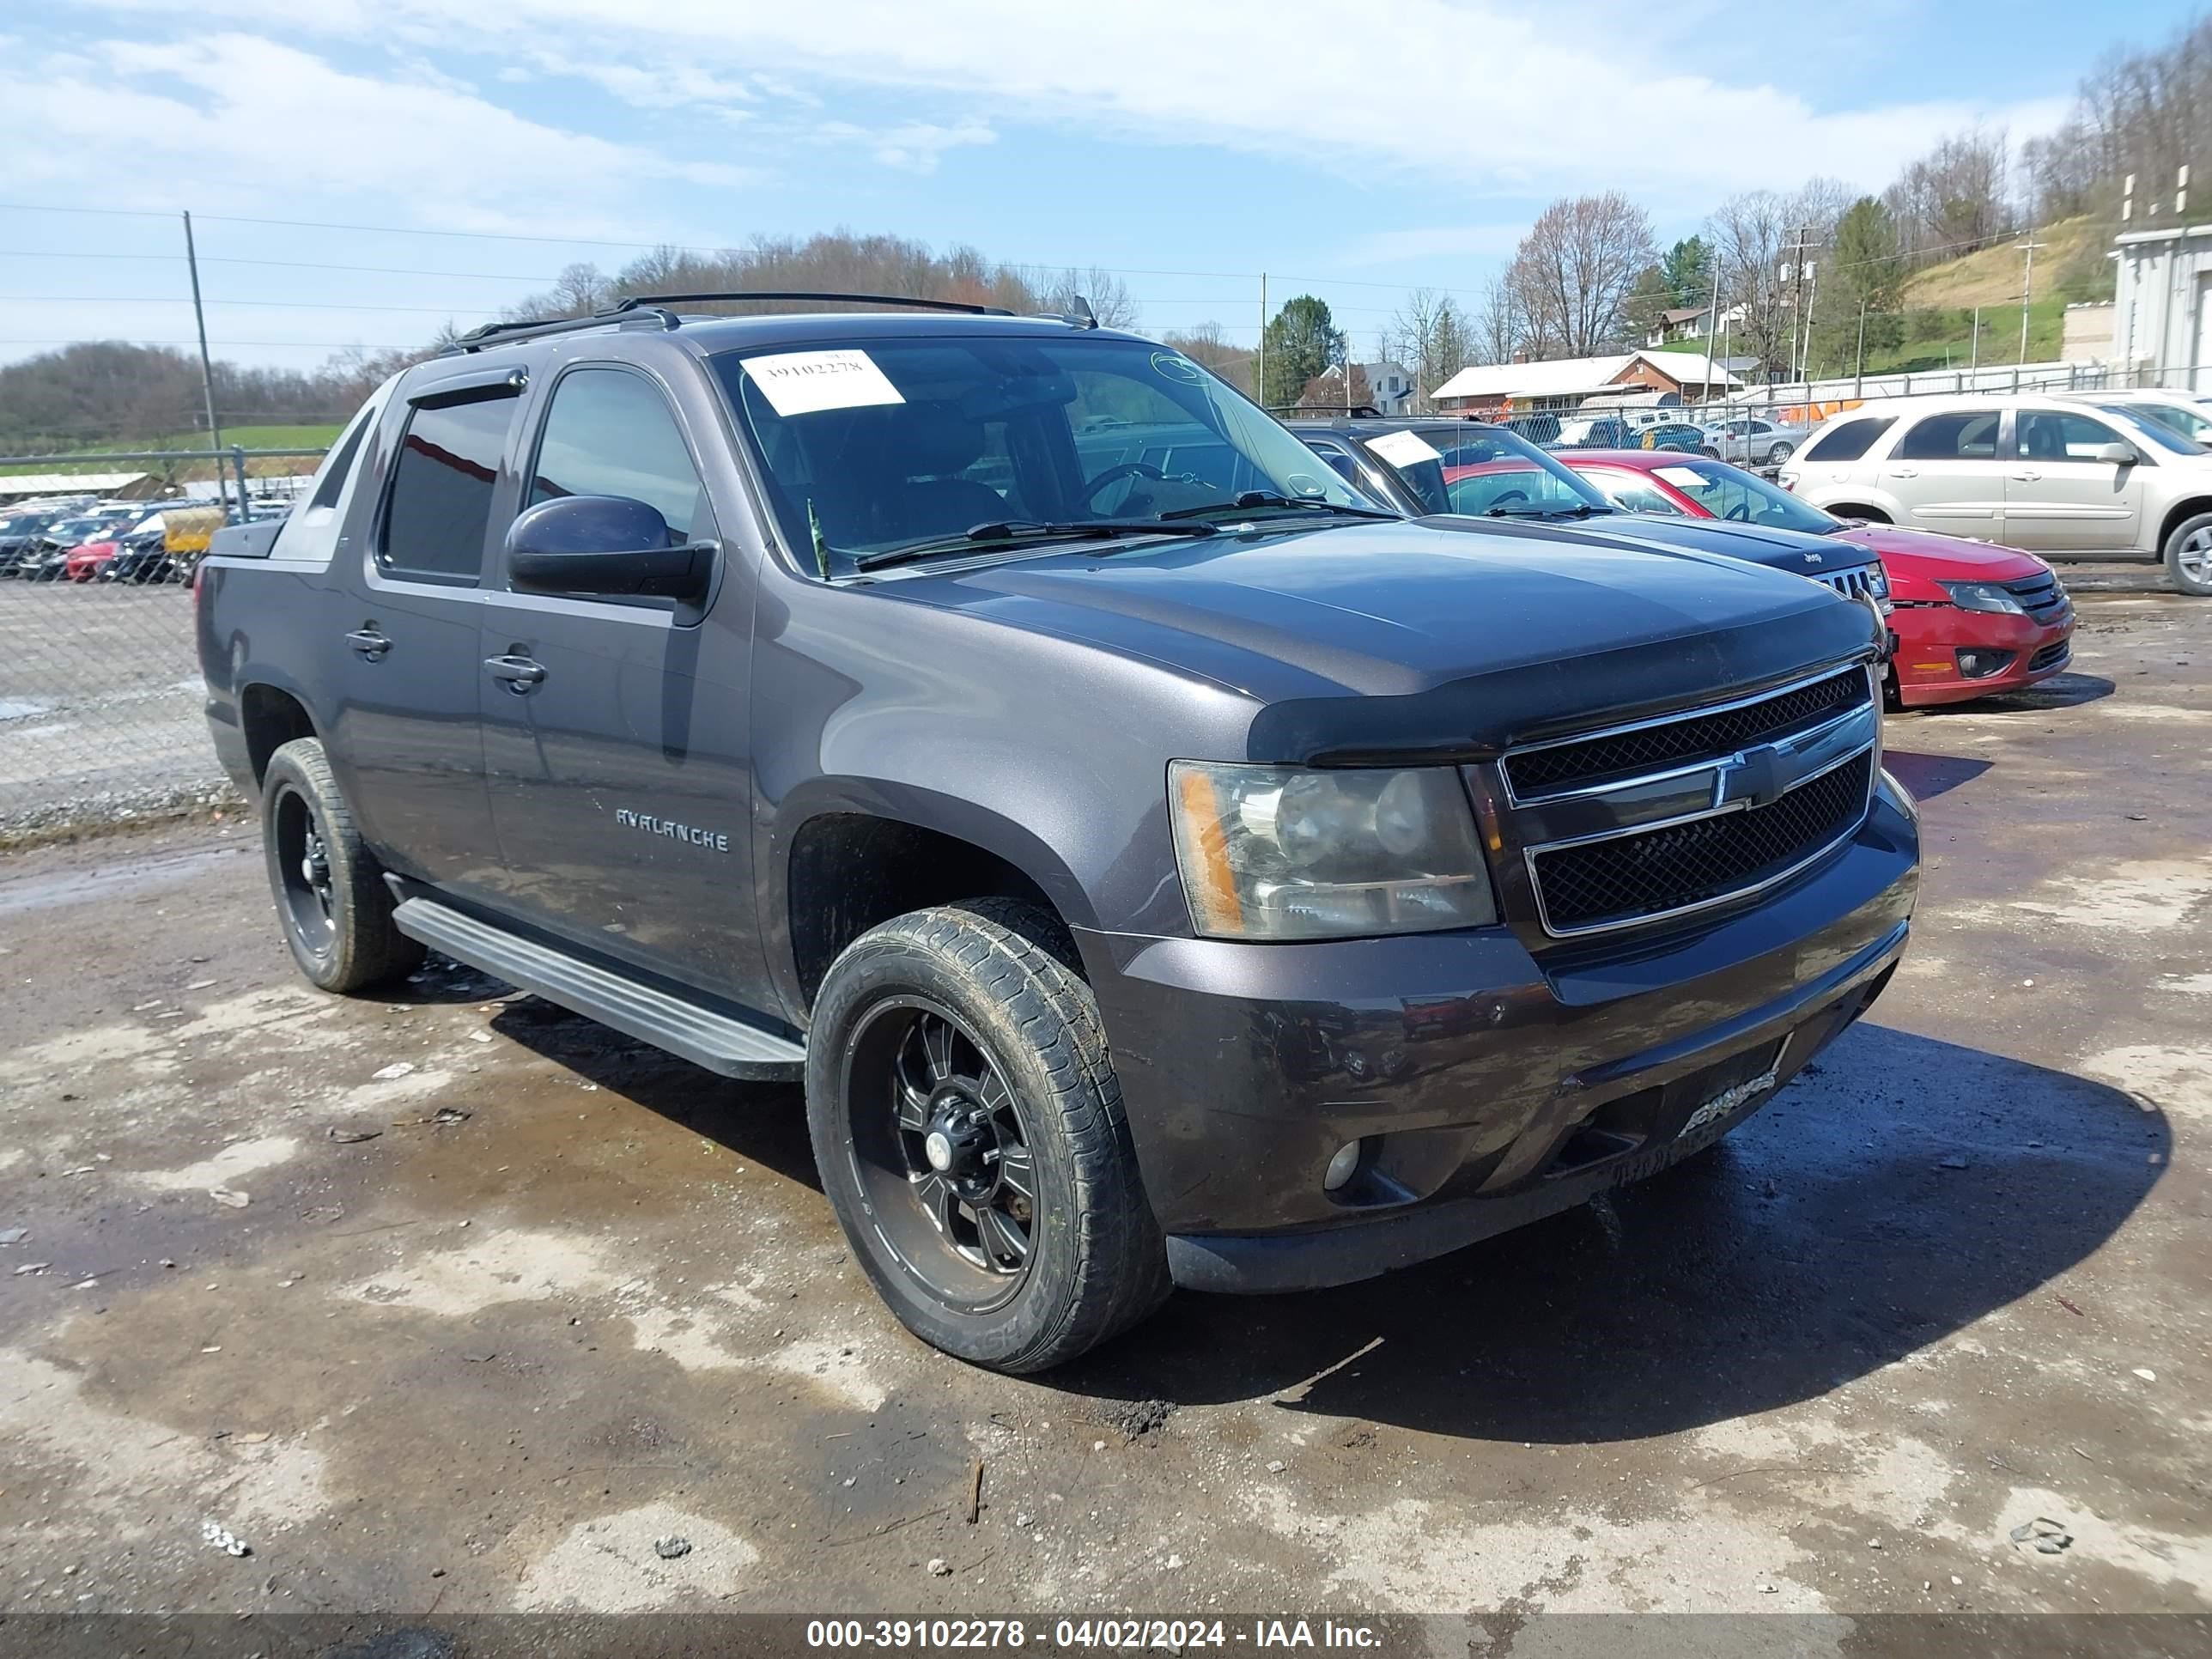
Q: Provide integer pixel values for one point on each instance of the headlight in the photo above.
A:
(1877, 580)
(1270, 853)
(1982, 596)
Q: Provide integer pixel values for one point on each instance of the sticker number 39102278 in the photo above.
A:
(806, 382)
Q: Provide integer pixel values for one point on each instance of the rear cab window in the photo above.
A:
(437, 509)
(311, 530)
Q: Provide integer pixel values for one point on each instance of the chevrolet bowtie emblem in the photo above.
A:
(1753, 777)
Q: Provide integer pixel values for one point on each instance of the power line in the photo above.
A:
(185, 300)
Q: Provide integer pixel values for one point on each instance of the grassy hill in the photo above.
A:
(1941, 301)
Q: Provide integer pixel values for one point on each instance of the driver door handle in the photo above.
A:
(1904, 473)
(369, 643)
(2027, 475)
(521, 674)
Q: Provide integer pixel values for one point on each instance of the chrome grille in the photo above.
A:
(1685, 866)
(1580, 763)
(1858, 584)
(1642, 822)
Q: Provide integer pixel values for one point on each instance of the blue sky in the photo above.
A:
(1353, 152)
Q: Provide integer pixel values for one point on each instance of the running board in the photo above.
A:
(715, 1041)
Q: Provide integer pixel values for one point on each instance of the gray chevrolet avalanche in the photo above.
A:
(1160, 865)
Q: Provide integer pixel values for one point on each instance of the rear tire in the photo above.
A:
(1780, 453)
(956, 1058)
(330, 892)
(2189, 557)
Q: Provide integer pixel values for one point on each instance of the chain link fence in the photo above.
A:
(100, 687)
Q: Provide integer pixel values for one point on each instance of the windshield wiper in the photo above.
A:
(1269, 498)
(1581, 510)
(1026, 530)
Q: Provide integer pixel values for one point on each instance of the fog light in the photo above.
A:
(1980, 664)
(1340, 1167)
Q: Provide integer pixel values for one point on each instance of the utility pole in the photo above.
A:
(1859, 371)
(1713, 315)
(207, 368)
(2028, 288)
(1259, 360)
(1974, 353)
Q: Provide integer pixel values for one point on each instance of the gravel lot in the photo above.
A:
(100, 705)
(1957, 1280)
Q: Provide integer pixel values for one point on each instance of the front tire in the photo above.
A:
(969, 1132)
(329, 888)
(2189, 557)
(1780, 453)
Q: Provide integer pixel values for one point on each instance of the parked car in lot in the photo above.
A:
(2034, 471)
(1753, 440)
(783, 690)
(1486, 472)
(46, 558)
(2177, 411)
(1972, 620)
(19, 533)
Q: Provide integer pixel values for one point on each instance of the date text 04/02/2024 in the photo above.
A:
(1175, 1635)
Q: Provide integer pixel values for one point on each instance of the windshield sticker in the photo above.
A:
(1682, 478)
(808, 382)
(1170, 366)
(1405, 448)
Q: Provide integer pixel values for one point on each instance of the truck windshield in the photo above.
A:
(893, 444)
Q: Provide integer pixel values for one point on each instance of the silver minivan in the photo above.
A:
(2039, 471)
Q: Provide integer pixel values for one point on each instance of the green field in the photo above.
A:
(245, 437)
(1942, 337)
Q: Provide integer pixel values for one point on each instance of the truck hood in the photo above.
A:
(1793, 550)
(1405, 636)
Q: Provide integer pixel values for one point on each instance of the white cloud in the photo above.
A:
(233, 107)
(917, 147)
(1494, 99)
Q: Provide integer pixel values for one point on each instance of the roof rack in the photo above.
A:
(640, 301)
(492, 334)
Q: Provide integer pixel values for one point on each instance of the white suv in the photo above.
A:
(2045, 473)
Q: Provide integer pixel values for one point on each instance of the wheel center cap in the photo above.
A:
(939, 1150)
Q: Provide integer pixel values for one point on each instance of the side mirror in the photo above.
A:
(603, 544)
(2118, 454)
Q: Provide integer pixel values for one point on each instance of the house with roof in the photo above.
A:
(1490, 390)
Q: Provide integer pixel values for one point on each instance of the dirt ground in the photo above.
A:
(452, 1303)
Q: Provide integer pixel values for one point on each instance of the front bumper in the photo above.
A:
(1930, 637)
(1487, 1088)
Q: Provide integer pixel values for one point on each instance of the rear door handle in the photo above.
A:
(1904, 473)
(2027, 475)
(369, 643)
(521, 673)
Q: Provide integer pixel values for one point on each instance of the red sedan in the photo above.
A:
(86, 561)
(1970, 619)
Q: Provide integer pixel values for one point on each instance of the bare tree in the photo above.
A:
(1107, 295)
(1954, 197)
(1573, 271)
(1749, 235)
(1499, 330)
(1431, 339)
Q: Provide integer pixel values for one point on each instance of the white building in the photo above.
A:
(2162, 311)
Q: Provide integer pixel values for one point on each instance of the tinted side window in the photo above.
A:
(2053, 434)
(1971, 436)
(341, 467)
(611, 432)
(440, 507)
(1849, 441)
